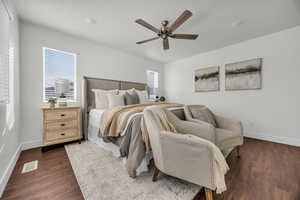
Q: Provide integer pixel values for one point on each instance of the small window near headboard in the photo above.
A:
(152, 83)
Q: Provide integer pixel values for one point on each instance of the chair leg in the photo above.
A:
(208, 194)
(238, 151)
(155, 174)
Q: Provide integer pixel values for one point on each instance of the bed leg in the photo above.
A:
(155, 174)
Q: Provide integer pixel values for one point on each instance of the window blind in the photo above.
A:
(4, 54)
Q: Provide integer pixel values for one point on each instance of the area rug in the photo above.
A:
(102, 176)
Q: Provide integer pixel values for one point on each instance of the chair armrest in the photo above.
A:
(197, 128)
(187, 157)
(203, 130)
(229, 124)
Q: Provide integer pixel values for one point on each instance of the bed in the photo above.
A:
(128, 144)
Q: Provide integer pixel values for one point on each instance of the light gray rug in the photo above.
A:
(101, 176)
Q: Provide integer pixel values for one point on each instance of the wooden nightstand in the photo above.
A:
(61, 124)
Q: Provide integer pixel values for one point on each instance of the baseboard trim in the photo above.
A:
(277, 139)
(31, 144)
(7, 173)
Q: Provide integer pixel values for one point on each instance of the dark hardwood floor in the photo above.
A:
(54, 179)
(265, 171)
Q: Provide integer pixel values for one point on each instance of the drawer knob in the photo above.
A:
(62, 134)
(62, 115)
(62, 124)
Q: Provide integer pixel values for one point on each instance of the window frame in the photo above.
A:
(75, 73)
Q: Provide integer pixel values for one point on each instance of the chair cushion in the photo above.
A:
(204, 114)
(227, 139)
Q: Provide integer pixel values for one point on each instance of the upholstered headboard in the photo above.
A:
(88, 97)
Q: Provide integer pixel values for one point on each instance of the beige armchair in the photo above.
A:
(187, 155)
(228, 133)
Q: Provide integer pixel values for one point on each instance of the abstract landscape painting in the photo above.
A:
(245, 75)
(207, 79)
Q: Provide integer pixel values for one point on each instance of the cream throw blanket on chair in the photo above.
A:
(220, 166)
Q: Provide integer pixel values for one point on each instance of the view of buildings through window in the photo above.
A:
(59, 74)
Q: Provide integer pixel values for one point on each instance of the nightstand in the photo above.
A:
(61, 124)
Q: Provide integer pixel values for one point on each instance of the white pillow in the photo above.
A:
(130, 91)
(101, 100)
(115, 100)
(143, 95)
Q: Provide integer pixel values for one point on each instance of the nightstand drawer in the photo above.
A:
(61, 134)
(61, 125)
(60, 114)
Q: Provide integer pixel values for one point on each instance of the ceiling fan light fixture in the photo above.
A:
(167, 31)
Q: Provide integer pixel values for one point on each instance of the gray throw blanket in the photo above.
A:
(132, 146)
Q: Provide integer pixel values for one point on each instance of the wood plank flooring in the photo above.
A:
(54, 179)
(265, 171)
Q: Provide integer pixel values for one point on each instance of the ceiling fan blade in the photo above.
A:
(147, 25)
(166, 44)
(184, 36)
(180, 20)
(148, 40)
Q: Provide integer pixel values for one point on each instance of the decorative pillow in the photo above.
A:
(204, 114)
(101, 101)
(130, 91)
(131, 98)
(115, 100)
(143, 96)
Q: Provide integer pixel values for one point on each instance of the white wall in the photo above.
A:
(93, 59)
(271, 113)
(9, 113)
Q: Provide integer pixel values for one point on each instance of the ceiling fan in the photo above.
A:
(168, 31)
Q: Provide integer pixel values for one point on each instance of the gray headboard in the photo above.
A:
(88, 98)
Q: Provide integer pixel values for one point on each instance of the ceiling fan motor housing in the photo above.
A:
(164, 33)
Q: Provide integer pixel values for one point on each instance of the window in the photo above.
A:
(4, 54)
(59, 74)
(152, 82)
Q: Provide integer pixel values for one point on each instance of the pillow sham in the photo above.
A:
(143, 96)
(131, 99)
(130, 91)
(115, 100)
(101, 101)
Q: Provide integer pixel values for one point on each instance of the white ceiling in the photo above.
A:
(115, 25)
